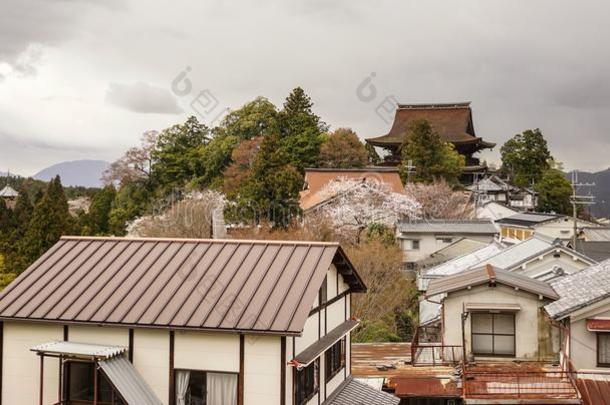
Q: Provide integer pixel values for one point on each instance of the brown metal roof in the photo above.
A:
(307, 356)
(489, 275)
(235, 285)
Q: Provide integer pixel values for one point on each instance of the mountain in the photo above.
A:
(601, 191)
(86, 173)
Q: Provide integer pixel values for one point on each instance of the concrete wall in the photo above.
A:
(527, 339)
(569, 263)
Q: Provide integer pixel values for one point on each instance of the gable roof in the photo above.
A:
(226, 285)
(317, 179)
(489, 275)
(529, 219)
(495, 211)
(580, 290)
(452, 121)
(464, 262)
(9, 192)
(462, 246)
(442, 226)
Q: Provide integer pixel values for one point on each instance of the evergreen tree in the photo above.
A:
(301, 130)
(554, 193)
(433, 159)
(258, 117)
(374, 158)
(177, 154)
(50, 220)
(97, 220)
(526, 157)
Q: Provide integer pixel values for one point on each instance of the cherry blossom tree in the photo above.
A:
(440, 201)
(352, 205)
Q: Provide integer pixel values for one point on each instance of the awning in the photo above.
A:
(480, 307)
(352, 392)
(128, 382)
(598, 325)
(78, 350)
(308, 355)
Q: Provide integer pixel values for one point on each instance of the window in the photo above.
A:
(493, 334)
(415, 245)
(443, 239)
(324, 291)
(79, 385)
(195, 387)
(334, 360)
(308, 382)
(603, 349)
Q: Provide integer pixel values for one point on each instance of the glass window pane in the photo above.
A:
(504, 345)
(603, 349)
(482, 344)
(81, 381)
(481, 323)
(504, 324)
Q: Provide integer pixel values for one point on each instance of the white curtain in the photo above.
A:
(182, 385)
(222, 389)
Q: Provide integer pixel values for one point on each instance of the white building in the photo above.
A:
(181, 322)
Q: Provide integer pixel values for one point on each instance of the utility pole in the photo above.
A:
(579, 200)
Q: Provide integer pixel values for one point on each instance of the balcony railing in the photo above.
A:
(427, 353)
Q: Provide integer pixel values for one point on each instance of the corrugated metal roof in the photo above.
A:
(311, 353)
(458, 248)
(581, 289)
(489, 274)
(352, 392)
(521, 252)
(235, 285)
(76, 349)
(594, 391)
(471, 227)
(128, 382)
(597, 234)
(464, 262)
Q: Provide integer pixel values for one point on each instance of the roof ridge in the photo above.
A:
(200, 240)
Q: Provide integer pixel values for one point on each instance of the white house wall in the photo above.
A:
(569, 263)
(151, 359)
(583, 344)
(526, 320)
(206, 351)
(21, 367)
(428, 243)
(262, 370)
(99, 335)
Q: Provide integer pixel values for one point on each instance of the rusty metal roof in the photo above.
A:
(489, 275)
(231, 285)
(594, 391)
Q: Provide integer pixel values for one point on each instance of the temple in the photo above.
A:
(453, 122)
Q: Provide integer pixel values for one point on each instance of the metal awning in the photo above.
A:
(598, 325)
(494, 307)
(307, 356)
(128, 382)
(78, 350)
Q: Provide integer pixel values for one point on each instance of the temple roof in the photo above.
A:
(453, 122)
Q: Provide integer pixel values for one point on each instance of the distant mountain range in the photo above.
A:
(86, 173)
(601, 191)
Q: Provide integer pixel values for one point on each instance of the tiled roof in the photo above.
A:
(580, 290)
(488, 274)
(226, 285)
(472, 226)
(452, 121)
(352, 392)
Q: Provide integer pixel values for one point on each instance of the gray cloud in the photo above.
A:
(141, 97)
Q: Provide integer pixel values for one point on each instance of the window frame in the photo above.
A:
(316, 382)
(205, 373)
(597, 352)
(329, 373)
(493, 334)
(66, 384)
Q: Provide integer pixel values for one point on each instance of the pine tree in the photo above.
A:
(301, 130)
(96, 221)
(50, 220)
(526, 157)
(433, 159)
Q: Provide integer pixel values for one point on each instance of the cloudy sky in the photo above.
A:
(83, 79)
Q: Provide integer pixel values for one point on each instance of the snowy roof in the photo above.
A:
(581, 289)
(464, 262)
(9, 192)
(470, 226)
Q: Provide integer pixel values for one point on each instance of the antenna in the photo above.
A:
(579, 200)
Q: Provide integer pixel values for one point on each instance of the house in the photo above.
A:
(460, 247)
(596, 250)
(494, 211)
(491, 189)
(523, 199)
(9, 195)
(452, 121)
(523, 226)
(316, 180)
(421, 238)
(493, 313)
(584, 312)
(180, 322)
